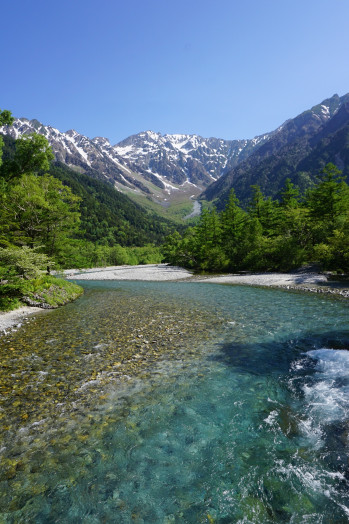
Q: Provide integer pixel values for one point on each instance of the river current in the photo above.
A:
(147, 402)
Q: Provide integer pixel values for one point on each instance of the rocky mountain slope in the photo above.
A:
(297, 150)
(150, 164)
(94, 157)
(168, 168)
(181, 159)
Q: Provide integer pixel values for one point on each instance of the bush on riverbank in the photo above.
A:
(45, 291)
(22, 280)
(50, 292)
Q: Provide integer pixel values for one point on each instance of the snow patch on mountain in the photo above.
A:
(181, 157)
(149, 162)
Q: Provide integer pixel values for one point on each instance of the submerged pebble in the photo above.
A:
(143, 403)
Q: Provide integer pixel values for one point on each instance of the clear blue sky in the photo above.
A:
(223, 68)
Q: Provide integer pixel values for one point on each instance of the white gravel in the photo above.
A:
(163, 272)
(269, 279)
(14, 319)
(155, 272)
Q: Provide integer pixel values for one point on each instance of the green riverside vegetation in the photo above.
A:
(52, 218)
(269, 234)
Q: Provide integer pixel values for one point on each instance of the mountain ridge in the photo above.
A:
(177, 167)
(148, 163)
(278, 159)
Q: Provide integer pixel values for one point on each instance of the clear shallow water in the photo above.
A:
(240, 415)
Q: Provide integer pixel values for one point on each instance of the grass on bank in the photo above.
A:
(44, 291)
(23, 280)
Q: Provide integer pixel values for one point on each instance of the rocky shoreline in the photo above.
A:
(336, 291)
(303, 281)
(14, 319)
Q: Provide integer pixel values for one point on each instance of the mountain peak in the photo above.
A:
(101, 141)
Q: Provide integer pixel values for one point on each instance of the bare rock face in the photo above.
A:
(298, 150)
(147, 163)
(161, 166)
(184, 159)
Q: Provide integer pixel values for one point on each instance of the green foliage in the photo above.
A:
(51, 290)
(38, 211)
(6, 119)
(32, 155)
(108, 216)
(328, 202)
(289, 195)
(17, 267)
(22, 262)
(82, 254)
(22, 278)
(272, 235)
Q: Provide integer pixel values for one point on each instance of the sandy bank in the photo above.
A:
(12, 319)
(151, 272)
(301, 280)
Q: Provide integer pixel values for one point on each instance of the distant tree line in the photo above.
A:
(271, 234)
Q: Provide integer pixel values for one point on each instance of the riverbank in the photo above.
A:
(302, 280)
(299, 280)
(13, 319)
(45, 292)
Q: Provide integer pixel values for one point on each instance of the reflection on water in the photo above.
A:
(177, 402)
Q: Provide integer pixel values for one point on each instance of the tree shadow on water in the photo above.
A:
(277, 356)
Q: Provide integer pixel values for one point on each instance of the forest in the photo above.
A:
(271, 235)
(54, 218)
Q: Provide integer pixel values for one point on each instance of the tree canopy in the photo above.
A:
(271, 234)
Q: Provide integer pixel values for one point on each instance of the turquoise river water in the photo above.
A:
(177, 403)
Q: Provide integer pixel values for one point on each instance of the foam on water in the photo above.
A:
(326, 391)
(251, 428)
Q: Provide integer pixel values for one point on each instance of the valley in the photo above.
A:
(164, 172)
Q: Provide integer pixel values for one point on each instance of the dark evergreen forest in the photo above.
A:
(276, 235)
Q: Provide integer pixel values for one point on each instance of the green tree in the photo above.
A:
(263, 209)
(22, 262)
(328, 204)
(289, 195)
(32, 155)
(208, 250)
(38, 211)
(233, 221)
(330, 198)
(6, 119)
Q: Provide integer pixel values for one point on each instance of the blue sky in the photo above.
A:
(222, 68)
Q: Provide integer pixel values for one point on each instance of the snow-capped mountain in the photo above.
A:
(178, 166)
(95, 157)
(298, 150)
(147, 163)
(185, 158)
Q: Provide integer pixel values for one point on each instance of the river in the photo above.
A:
(196, 210)
(178, 402)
